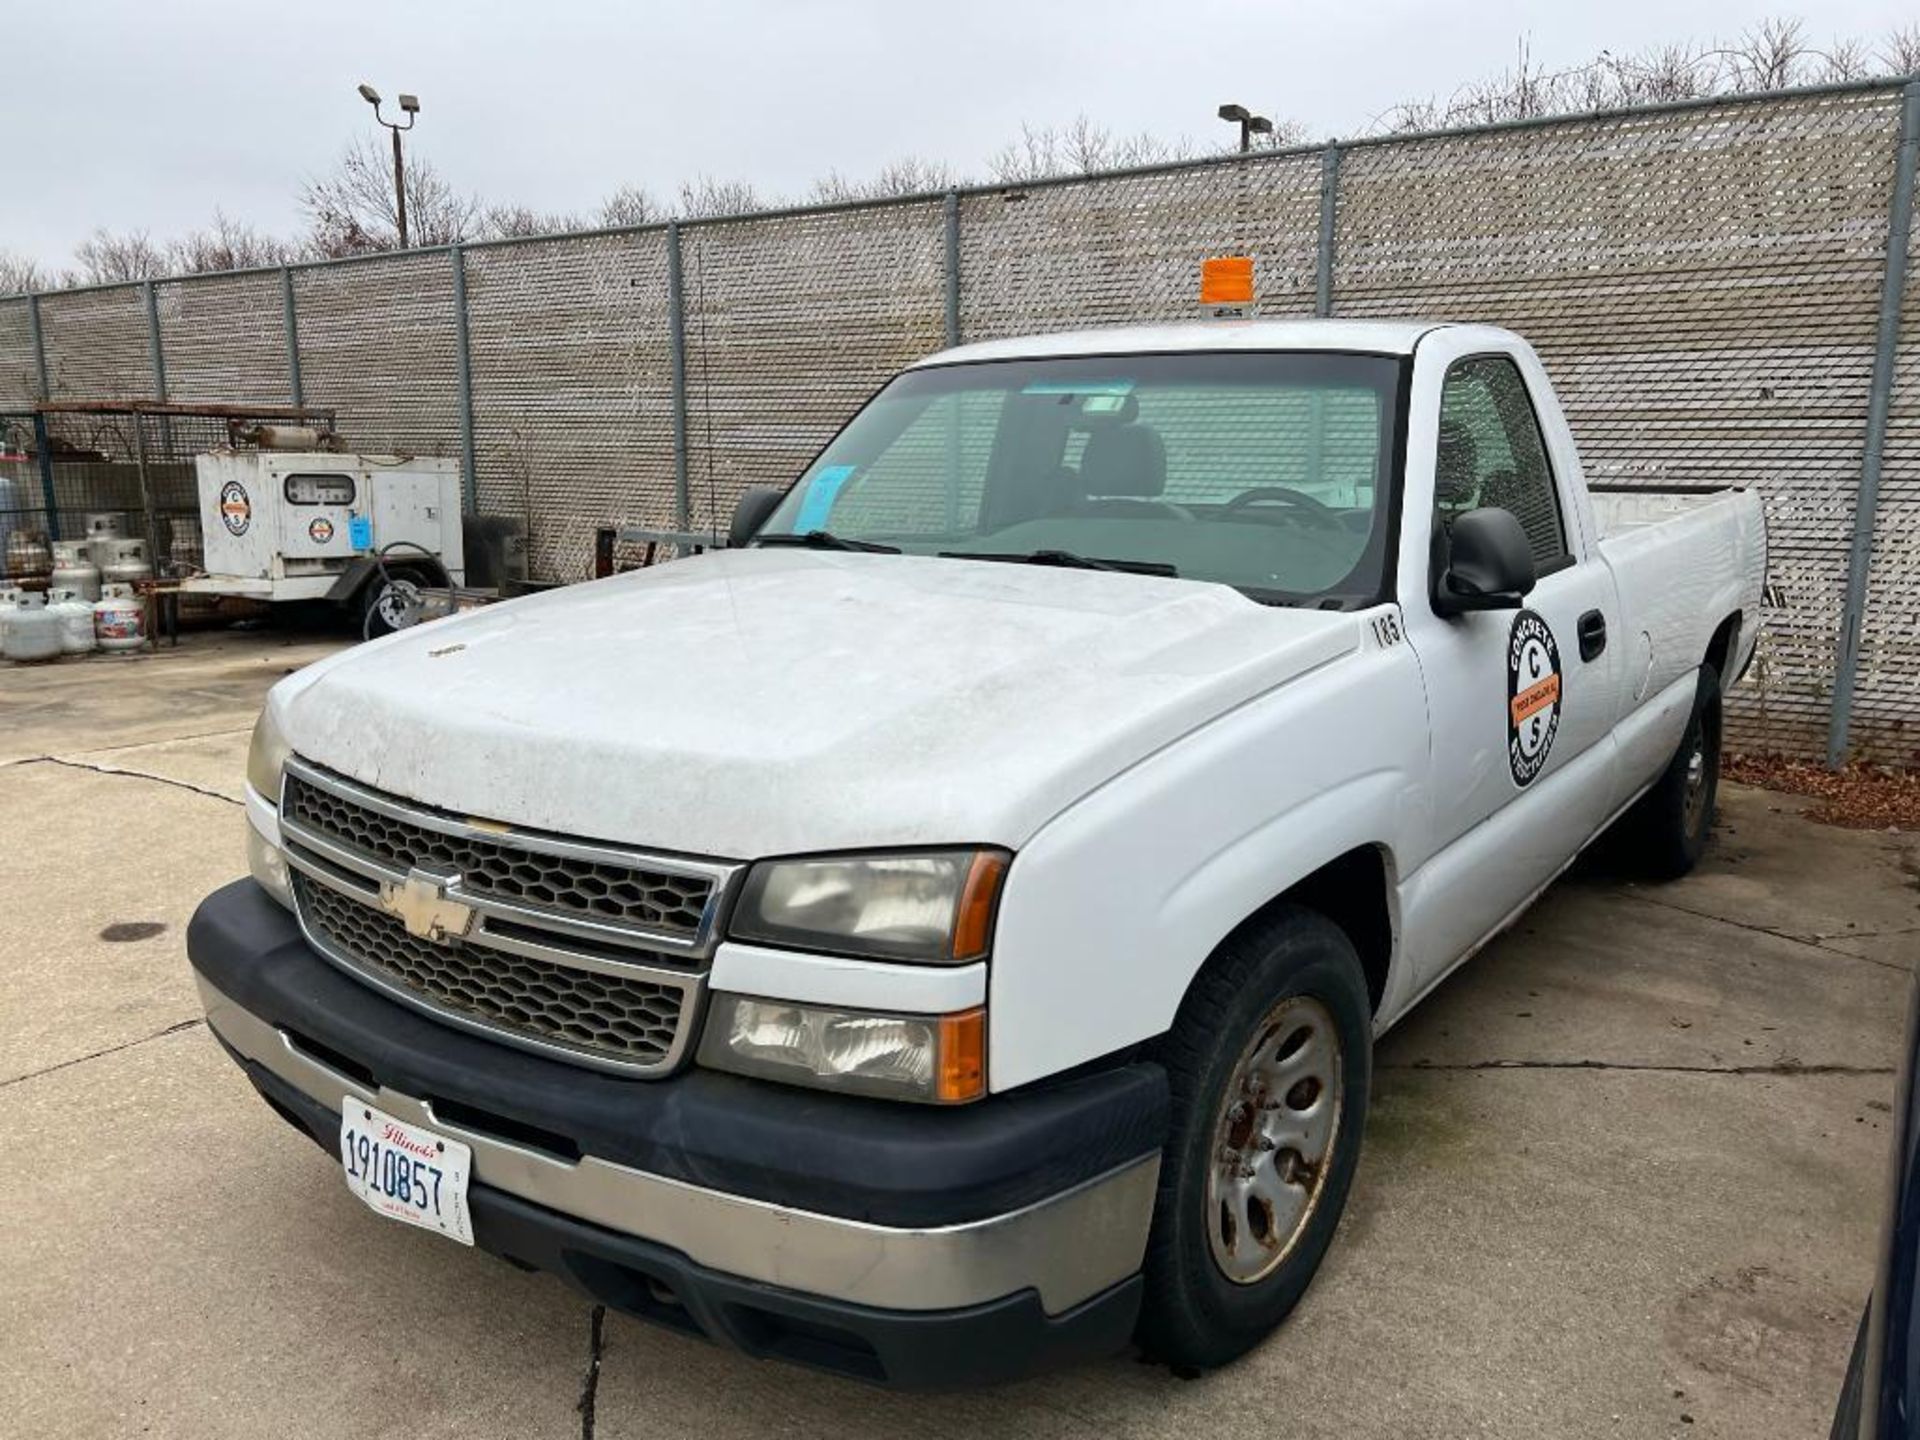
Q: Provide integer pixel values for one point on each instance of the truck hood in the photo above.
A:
(768, 702)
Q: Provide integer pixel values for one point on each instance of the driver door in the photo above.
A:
(1521, 718)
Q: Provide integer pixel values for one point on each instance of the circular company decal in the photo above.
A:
(320, 531)
(1533, 695)
(236, 510)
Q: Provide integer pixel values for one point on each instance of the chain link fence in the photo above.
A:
(1705, 282)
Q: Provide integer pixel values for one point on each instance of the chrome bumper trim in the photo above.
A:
(1069, 1247)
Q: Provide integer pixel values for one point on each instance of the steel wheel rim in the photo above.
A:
(1273, 1140)
(397, 603)
(1696, 788)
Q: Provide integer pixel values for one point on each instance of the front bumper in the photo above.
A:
(912, 1246)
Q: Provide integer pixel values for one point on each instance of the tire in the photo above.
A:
(1218, 1279)
(383, 602)
(1668, 827)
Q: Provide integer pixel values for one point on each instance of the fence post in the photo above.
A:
(44, 450)
(953, 266)
(290, 322)
(677, 344)
(1329, 201)
(463, 353)
(39, 346)
(1879, 401)
(156, 352)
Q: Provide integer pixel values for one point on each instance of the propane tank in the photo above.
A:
(28, 557)
(103, 528)
(9, 602)
(119, 620)
(126, 562)
(73, 614)
(186, 550)
(32, 632)
(72, 570)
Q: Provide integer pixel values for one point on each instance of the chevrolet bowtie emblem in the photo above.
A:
(420, 903)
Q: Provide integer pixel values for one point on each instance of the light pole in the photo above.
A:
(1250, 124)
(410, 105)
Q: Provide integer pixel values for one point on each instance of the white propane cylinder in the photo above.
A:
(126, 562)
(74, 616)
(72, 570)
(9, 602)
(119, 620)
(103, 528)
(32, 632)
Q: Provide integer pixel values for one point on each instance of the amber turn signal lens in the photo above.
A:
(963, 1057)
(1227, 280)
(973, 918)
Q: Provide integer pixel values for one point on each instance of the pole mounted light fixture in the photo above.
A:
(410, 105)
(1250, 124)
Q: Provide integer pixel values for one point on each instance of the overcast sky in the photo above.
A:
(136, 114)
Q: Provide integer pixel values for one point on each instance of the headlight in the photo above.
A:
(269, 866)
(937, 1058)
(935, 907)
(267, 755)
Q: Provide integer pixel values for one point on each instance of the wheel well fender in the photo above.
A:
(1724, 645)
(1355, 891)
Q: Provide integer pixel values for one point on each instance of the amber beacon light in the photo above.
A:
(1226, 286)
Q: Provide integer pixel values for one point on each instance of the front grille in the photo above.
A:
(655, 902)
(630, 1021)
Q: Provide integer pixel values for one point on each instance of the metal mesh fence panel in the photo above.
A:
(791, 323)
(377, 344)
(1886, 706)
(19, 372)
(224, 339)
(96, 342)
(1113, 250)
(1702, 285)
(572, 390)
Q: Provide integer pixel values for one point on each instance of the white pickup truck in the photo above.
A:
(943, 934)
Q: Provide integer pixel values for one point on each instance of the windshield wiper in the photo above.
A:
(827, 540)
(1066, 560)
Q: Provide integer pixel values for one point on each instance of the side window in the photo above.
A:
(1491, 453)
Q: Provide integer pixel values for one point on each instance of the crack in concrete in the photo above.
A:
(176, 1028)
(589, 1402)
(1780, 1067)
(1814, 944)
(131, 775)
(168, 740)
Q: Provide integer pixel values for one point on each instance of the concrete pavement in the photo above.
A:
(1622, 1175)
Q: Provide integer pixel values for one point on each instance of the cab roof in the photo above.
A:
(1365, 337)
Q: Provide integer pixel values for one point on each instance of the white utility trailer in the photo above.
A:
(321, 525)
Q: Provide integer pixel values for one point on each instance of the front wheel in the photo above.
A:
(1270, 1065)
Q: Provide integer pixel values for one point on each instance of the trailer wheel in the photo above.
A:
(1270, 1065)
(1669, 825)
(389, 605)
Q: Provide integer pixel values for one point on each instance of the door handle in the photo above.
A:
(1593, 634)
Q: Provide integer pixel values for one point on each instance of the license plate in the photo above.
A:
(406, 1173)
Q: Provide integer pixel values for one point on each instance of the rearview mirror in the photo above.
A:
(750, 512)
(1489, 564)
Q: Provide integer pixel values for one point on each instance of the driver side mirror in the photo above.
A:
(1489, 564)
(750, 512)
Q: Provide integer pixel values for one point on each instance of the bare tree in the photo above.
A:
(227, 244)
(630, 205)
(1081, 147)
(706, 196)
(909, 175)
(18, 274)
(350, 210)
(104, 257)
(508, 222)
(1900, 51)
(1772, 56)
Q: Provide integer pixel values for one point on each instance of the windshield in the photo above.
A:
(1267, 472)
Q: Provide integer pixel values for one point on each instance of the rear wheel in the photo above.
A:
(1670, 824)
(389, 604)
(1270, 1064)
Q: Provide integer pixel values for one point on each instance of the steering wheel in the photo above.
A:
(1311, 510)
